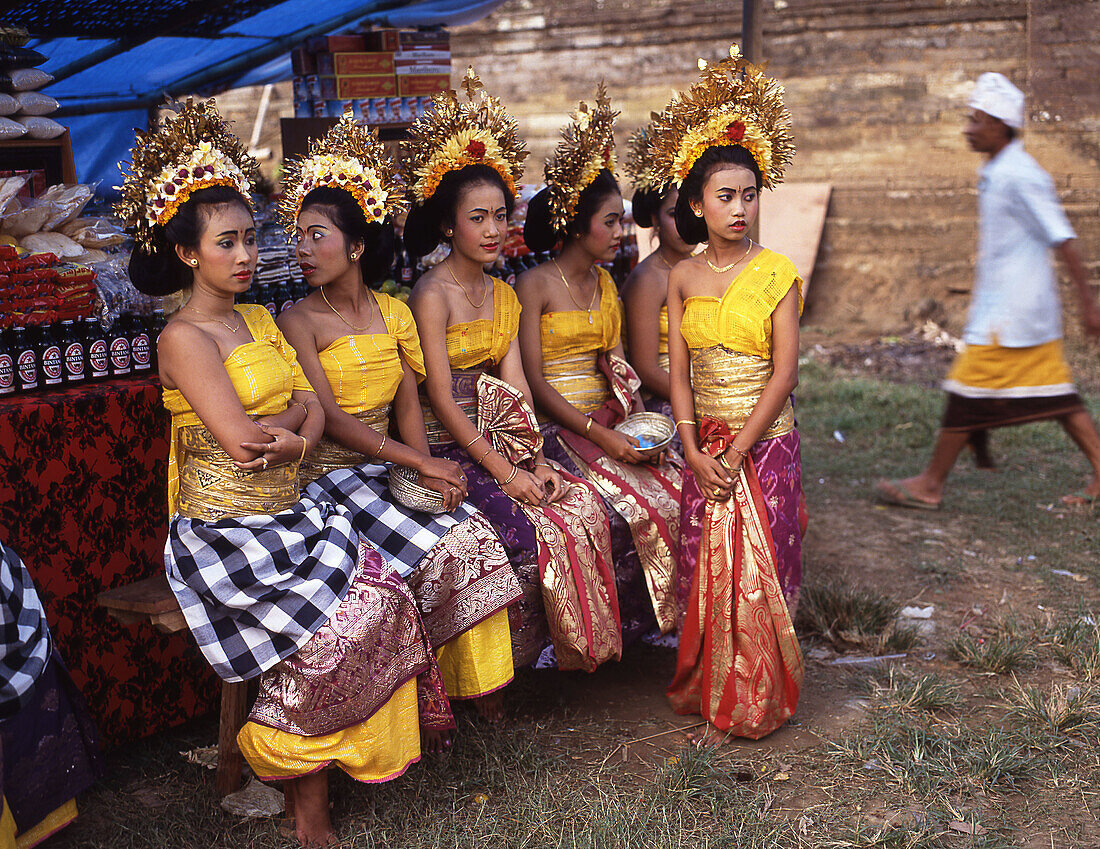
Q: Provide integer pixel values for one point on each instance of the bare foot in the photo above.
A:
(910, 492)
(1087, 498)
(490, 707)
(312, 825)
(715, 736)
(435, 742)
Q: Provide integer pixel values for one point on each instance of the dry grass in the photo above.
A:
(845, 616)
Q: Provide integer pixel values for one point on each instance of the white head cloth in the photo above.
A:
(995, 95)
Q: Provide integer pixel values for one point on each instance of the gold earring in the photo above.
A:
(448, 233)
(195, 263)
(698, 213)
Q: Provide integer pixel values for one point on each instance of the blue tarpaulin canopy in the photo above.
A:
(114, 61)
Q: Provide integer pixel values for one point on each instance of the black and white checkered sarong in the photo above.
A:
(25, 643)
(402, 536)
(254, 589)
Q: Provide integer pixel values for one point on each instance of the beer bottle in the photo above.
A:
(7, 365)
(51, 369)
(140, 348)
(99, 358)
(26, 359)
(72, 352)
(120, 348)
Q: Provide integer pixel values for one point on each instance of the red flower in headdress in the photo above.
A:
(607, 155)
(735, 131)
(476, 149)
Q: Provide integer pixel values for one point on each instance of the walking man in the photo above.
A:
(1012, 370)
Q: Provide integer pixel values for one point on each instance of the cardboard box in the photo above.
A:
(349, 43)
(361, 64)
(426, 68)
(358, 87)
(410, 38)
(301, 62)
(381, 39)
(411, 85)
(426, 55)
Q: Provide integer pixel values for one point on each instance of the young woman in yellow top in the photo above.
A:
(645, 291)
(733, 350)
(361, 351)
(274, 586)
(552, 524)
(572, 354)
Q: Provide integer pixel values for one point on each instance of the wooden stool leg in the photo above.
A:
(233, 715)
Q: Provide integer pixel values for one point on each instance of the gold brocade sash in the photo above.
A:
(578, 380)
(329, 456)
(727, 385)
(213, 488)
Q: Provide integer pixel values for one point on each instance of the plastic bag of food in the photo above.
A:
(10, 129)
(8, 104)
(54, 243)
(36, 103)
(40, 128)
(68, 200)
(91, 256)
(93, 232)
(28, 218)
(10, 187)
(12, 56)
(27, 79)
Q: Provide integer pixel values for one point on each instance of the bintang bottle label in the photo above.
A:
(140, 351)
(28, 369)
(97, 357)
(74, 362)
(51, 364)
(120, 355)
(7, 373)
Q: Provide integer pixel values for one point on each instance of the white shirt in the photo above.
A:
(1020, 218)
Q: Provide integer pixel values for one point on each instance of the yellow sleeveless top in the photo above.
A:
(568, 333)
(570, 346)
(741, 320)
(264, 372)
(473, 342)
(662, 331)
(364, 369)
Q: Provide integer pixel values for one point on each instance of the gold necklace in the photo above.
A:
(469, 300)
(370, 298)
(726, 268)
(664, 261)
(569, 290)
(218, 320)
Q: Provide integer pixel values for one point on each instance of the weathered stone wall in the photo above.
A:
(878, 96)
(877, 91)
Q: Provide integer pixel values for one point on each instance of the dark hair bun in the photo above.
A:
(538, 233)
(646, 204)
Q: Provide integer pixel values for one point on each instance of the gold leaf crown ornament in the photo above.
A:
(587, 147)
(452, 135)
(192, 150)
(732, 103)
(349, 157)
(639, 162)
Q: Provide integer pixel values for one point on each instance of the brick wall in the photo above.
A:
(877, 92)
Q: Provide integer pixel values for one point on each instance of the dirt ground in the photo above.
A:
(985, 560)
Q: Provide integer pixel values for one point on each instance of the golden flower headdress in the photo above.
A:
(452, 135)
(639, 162)
(587, 147)
(732, 103)
(192, 150)
(349, 157)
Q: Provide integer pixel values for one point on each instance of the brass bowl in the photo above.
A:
(408, 492)
(653, 430)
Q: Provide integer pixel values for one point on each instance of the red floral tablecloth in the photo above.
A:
(82, 500)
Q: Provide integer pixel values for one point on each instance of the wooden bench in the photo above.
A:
(151, 600)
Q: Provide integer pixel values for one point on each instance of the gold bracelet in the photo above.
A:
(488, 451)
(305, 446)
(543, 464)
(686, 421)
(588, 426)
(378, 450)
(743, 454)
(511, 477)
(471, 442)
